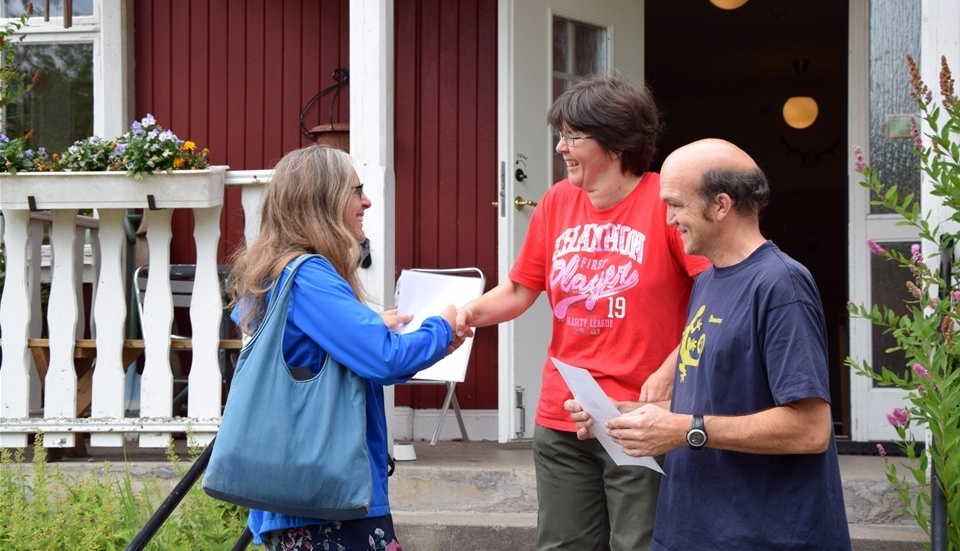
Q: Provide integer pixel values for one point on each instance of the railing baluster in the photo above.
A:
(110, 313)
(156, 385)
(60, 385)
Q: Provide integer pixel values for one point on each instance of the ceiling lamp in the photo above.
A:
(728, 4)
(800, 111)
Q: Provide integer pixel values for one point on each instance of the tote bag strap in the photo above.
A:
(280, 296)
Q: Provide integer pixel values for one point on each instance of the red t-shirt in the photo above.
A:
(618, 283)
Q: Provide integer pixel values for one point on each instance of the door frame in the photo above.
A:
(511, 414)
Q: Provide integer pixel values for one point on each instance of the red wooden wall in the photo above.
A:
(446, 160)
(234, 76)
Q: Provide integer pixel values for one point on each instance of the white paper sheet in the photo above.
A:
(593, 400)
(425, 294)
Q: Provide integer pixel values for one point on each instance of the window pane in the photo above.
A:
(561, 45)
(888, 287)
(59, 109)
(589, 52)
(894, 29)
(579, 51)
(13, 8)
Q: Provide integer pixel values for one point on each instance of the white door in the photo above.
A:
(873, 279)
(544, 46)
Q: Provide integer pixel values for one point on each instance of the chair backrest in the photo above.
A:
(428, 291)
(181, 287)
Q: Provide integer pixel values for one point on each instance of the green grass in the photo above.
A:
(41, 507)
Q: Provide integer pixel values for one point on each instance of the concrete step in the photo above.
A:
(482, 495)
(479, 496)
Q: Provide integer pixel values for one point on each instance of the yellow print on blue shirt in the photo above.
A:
(692, 343)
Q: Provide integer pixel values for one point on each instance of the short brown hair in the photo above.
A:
(619, 114)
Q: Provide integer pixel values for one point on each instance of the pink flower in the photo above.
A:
(393, 546)
(916, 254)
(881, 451)
(859, 164)
(914, 290)
(874, 248)
(898, 417)
(915, 133)
(920, 370)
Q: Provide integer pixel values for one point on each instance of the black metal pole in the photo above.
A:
(243, 541)
(938, 502)
(170, 503)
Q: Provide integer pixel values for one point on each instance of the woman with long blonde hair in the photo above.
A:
(314, 204)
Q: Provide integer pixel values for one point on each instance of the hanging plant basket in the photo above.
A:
(112, 190)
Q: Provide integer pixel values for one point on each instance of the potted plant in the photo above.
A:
(146, 167)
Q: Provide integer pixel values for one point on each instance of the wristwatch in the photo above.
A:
(697, 435)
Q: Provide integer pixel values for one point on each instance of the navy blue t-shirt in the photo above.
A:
(755, 339)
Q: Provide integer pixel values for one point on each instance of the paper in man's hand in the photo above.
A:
(593, 400)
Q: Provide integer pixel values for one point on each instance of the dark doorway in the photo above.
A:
(726, 74)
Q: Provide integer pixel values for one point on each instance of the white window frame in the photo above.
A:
(109, 30)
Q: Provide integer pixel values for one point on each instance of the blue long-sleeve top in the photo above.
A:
(325, 317)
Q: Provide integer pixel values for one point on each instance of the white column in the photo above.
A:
(113, 92)
(371, 141)
(939, 36)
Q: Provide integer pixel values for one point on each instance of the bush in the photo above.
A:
(927, 334)
(43, 508)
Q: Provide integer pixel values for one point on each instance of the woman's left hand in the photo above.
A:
(394, 319)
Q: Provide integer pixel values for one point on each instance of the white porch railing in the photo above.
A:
(31, 405)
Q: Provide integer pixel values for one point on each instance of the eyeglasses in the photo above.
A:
(571, 141)
(358, 190)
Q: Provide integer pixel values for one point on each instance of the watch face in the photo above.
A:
(696, 438)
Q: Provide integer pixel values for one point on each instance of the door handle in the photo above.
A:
(520, 203)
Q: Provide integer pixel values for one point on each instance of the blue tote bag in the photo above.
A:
(286, 445)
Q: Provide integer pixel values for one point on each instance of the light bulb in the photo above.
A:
(728, 4)
(800, 111)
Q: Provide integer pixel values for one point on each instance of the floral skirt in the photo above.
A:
(365, 534)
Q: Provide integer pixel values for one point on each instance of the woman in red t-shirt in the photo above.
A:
(618, 282)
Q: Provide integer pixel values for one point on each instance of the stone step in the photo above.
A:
(486, 531)
(482, 495)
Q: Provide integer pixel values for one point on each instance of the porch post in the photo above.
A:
(371, 144)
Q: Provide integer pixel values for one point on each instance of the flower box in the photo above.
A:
(117, 190)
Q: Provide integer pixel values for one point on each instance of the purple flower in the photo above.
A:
(920, 370)
(859, 163)
(881, 450)
(915, 253)
(898, 417)
(874, 248)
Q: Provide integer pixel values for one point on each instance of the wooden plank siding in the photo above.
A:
(233, 75)
(446, 161)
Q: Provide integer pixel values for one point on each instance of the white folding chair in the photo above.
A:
(458, 286)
